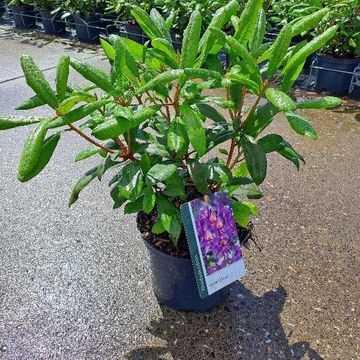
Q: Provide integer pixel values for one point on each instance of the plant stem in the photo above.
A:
(90, 140)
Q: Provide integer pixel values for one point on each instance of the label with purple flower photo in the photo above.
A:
(213, 241)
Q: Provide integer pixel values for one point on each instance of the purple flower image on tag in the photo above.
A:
(217, 231)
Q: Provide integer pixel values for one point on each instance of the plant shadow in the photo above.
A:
(245, 327)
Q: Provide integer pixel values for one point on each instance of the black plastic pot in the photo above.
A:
(133, 32)
(89, 28)
(52, 24)
(2, 7)
(175, 286)
(335, 74)
(24, 16)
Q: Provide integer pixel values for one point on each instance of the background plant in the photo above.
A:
(84, 7)
(345, 14)
(146, 118)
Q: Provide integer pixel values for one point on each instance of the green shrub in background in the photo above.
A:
(345, 14)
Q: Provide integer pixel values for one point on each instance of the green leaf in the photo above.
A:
(93, 74)
(67, 104)
(301, 125)
(280, 49)
(241, 212)
(177, 140)
(169, 217)
(219, 20)
(87, 152)
(307, 23)
(219, 172)
(174, 186)
(162, 78)
(164, 46)
(31, 103)
(279, 99)
(257, 37)
(36, 80)
(194, 129)
(275, 142)
(146, 23)
(250, 191)
(62, 76)
(241, 51)
(120, 125)
(209, 112)
(47, 151)
(291, 76)
(81, 184)
(77, 114)
(255, 158)
(327, 102)
(161, 172)
(317, 43)
(243, 80)
(191, 40)
(131, 181)
(108, 49)
(13, 122)
(148, 200)
(32, 151)
(134, 206)
(248, 20)
(159, 21)
(120, 63)
(199, 175)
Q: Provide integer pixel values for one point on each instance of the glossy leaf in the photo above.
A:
(36, 80)
(81, 184)
(199, 175)
(280, 100)
(191, 40)
(177, 140)
(194, 129)
(62, 75)
(13, 122)
(301, 125)
(161, 172)
(255, 158)
(93, 74)
(327, 102)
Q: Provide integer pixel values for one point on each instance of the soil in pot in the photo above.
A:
(89, 28)
(336, 74)
(173, 276)
(24, 16)
(53, 25)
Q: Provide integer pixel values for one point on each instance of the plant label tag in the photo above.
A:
(213, 241)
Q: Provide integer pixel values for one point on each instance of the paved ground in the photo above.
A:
(74, 283)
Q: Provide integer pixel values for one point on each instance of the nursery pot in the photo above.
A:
(174, 283)
(2, 6)
(24, 16)
(336, 74)
(175, 286)
(134, 32)
(89, 28)
(52, 24)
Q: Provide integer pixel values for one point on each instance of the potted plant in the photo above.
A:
(338, 59)
(125, 21)
(50, 11)
(23, 13)
(88, 17)
(147, 124)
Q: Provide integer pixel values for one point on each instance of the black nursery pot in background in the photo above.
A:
(2, 7)
(89, 28)
(335, 75)
(53, 25)
(24, 16)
